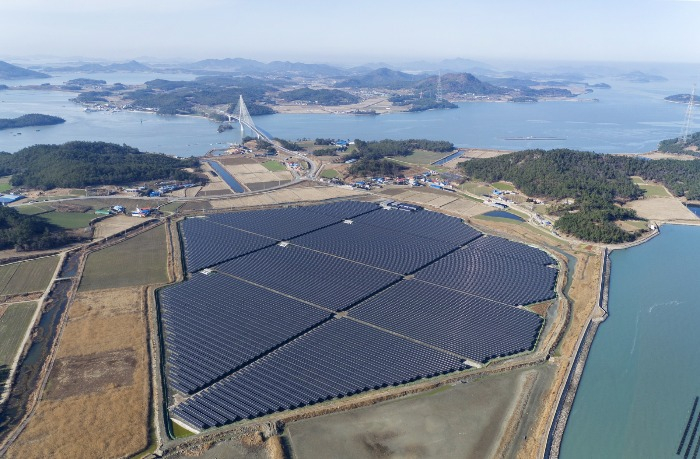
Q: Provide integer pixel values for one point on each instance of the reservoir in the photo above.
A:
(643, 370)
(226, 177)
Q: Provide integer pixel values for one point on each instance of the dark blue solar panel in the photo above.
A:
(281, 224)
(312, 276)
(207, 243)
(382, 248)
(430, 225)
(511, 249)
(493, 275)
(214, 324)
(343, 209)
(469, 326)
(336, 359)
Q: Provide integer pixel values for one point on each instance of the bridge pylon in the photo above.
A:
(241, 112)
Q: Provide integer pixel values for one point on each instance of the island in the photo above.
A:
(32, 119)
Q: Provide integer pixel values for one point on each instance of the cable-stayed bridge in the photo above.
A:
(241, 114)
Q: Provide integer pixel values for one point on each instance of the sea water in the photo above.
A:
(643, 370)
(629, 118)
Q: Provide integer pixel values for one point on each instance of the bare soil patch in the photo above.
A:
(461, 420)
(80, 375)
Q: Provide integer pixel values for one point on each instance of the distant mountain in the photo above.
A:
(91, 67)
(641, 77)
(380, 78)
(240, 65)
(461, 83)
(12, 72)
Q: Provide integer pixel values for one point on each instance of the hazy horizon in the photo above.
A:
(352, 33)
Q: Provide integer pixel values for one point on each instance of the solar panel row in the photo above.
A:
(491, 275)
(214, 324)
(280, 224)
(510, 249)
(425, 224)
(343, 210)
(338, 358)
(395, 251)
(321, 279)
(472, 327)
(207, 243)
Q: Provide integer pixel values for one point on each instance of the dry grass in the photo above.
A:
(661, 209)
(96, 403)
(274, 448)
(114, 225)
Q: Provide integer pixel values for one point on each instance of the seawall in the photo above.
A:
(566, 400)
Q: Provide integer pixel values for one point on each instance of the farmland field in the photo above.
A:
(27, 276)
(34, 209)
(329, 173)
(274, 166)
(140, 260)
(13, 326)
(69, 220)
(423, 157)
(96, 400)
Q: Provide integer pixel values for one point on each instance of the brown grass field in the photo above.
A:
(96, 401)
(28, 276)
(140, 260)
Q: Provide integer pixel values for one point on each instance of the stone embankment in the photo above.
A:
(566, 400)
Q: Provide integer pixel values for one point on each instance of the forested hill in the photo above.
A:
(596, 182)
(81, 164)
(32, 119)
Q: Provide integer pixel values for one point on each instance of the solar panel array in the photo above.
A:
(382, 248)
(338, 358)
(344, 209)
(469, 326)
(280, 224)
(510, 249)
(207, 243)
(257, 336)
(214, 324)
(321, 279)
(429, 225)
(488, 274)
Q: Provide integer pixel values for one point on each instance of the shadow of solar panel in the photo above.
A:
(336, 359)
(493, 275)
(430, 225)
(214, 324)
(475, 328)
(281, 224)
(510, 249)
(321, 279)
(207, 243)
(379, 247)
(344, 209)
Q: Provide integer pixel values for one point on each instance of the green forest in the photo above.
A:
(319, 96)
(676, 145)
(81, 164)
(595, 182)
(32, 119)
(27, 232)
(378, 149)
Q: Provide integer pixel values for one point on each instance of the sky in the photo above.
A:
(352, 31)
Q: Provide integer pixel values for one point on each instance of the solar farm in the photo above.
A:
(290, 307)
